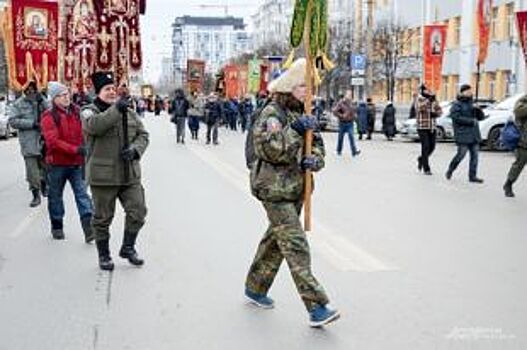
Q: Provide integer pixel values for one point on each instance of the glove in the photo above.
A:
(82, 151)
(309, 163)
(304, 123)
(122, 104)
(129, 154)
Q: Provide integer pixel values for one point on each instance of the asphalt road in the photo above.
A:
(412, 262)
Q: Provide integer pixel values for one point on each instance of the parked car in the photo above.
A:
(444, 128)
(6, 131)
(495, 119)
(329, 122)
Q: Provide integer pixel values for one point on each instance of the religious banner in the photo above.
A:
(118, 46)
(242, 81)
(484, 23)
(232, 74)
(253, 78)
(31, 37)
(264, 78)
(521, 20)
(195, 75)
(80, 44)
(434, 48)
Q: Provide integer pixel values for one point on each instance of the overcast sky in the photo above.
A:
(160, 14)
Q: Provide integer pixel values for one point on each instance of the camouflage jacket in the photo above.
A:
(276, 175)
(104, 133)
(520, 113)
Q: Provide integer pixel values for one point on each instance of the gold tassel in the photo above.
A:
(328, 65)
(316, 76)
(287, 64)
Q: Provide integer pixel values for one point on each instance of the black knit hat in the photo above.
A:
(464, 88)
(101, 79)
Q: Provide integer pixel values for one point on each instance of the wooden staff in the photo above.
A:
(308, 137)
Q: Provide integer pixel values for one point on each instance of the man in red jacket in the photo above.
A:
(65, 151)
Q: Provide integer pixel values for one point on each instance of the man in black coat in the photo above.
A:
(465, 118)
(214, 112)
(179, 109)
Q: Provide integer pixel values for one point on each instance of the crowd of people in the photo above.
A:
(99, 143)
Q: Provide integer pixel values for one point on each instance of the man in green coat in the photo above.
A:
(25, 116)
(520, 113)
(113, 169)
(277, 180)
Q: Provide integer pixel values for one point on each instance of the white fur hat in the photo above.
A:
(294, 76)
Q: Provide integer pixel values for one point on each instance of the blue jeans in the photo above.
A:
(57, 177)
(462, 150)
(346, 128)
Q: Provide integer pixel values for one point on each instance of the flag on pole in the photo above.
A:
(521, 20)
(484, 25)
(434, 49)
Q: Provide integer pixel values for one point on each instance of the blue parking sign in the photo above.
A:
(358, 62)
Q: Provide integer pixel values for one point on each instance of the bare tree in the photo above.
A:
(389, 42)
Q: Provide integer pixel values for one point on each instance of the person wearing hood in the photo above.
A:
(65, 151)
(113, 168)
(25, 115)
(362, 113)
(388, 121)
(427, 111)
(277, 180)
(465, 120)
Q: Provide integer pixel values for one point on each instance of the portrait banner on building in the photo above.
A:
(434, 48)
(195, 75)
(232, 76)
(484, 23)
(521, 21)
(80, 34)
(31, 38)
(243, 79)
(253, 78)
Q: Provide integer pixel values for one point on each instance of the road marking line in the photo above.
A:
(334, 248)
(27, 221)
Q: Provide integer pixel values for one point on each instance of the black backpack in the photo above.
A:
(250, 154)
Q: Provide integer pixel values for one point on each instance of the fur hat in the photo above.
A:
(101, 79)
(464, 88)
(294, 76)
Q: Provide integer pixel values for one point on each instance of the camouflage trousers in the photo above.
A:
(518, 165)
(132, 198)
(285, 239)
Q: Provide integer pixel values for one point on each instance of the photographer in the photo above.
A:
(428, 110)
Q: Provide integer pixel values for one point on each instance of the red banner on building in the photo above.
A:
(484, 23)
(264, 78)
(521, 21)
(195, 75)
(31, 38)
(243, 81)
(434, 48)
(232, 76)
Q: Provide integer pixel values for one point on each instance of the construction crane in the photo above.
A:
(225, 7)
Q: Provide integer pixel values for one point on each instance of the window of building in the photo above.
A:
(494, 24)
(492, 85)
(456, 32)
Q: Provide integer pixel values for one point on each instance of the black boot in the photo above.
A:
(89, 235)
(508, 189)
(105, 260)
(35, 202)
(128, 249)
(56, 229)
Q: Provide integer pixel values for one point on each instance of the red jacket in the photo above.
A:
(63, 137)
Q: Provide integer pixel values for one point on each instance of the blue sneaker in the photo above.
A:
(259, 300)
(321, 315)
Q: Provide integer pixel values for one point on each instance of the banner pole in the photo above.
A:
(478, 75)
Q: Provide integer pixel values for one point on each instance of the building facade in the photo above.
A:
(503, 73)
(212, 39)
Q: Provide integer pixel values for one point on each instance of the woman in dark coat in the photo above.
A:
(388, 121)
(362, 112)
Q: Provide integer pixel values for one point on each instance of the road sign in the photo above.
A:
(358, 72)
(357, 81)
(358, 62)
